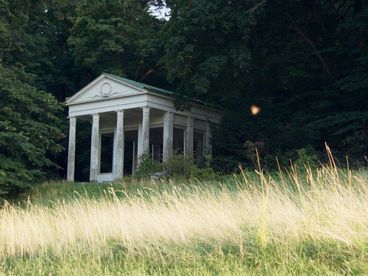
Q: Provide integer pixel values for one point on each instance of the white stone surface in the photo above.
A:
(140, 141)
(71, 148)
(118, 163)
(105, 177)
(95, 145)
(189, 132)
(168, 135)
(103, 88)
(145, 130)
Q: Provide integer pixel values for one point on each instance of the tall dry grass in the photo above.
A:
(319, 205)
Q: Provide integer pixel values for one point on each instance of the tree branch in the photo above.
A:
(311, 44)
(150, 71)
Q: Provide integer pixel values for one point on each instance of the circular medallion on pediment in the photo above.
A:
(105, 90)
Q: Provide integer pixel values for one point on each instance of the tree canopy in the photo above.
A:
(30, 128)
(301, 62)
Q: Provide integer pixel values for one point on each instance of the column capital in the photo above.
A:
(190, 121)
(168, 117)
(146, 109)
(72, 119)
(95, 116)
(120, 113)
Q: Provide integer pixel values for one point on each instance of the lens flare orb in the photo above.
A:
(254, 109)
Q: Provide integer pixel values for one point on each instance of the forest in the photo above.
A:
(301, 63)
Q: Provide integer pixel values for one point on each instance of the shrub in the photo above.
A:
(205, 173)
(148, 166)
(177, 166)
(184, 166)
(306, 157)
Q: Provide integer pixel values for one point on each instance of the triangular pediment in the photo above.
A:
(102, 88)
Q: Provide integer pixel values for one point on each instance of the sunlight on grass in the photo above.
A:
(290, 212)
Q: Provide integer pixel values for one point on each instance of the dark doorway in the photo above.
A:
(107, 150)
(128, 157)
(198, 147)
(82, 151)
(130, 151)
(178, 141)
(156, 141)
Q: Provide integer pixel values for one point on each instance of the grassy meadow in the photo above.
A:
(291, 222)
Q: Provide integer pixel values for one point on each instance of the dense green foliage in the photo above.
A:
(30, 128)
(49, 49)
(303, 63)
(28, 131)
(119, 37)
(178, 167)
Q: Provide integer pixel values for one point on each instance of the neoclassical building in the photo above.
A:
(130, 119)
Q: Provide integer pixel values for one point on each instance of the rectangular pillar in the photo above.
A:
(189, 132)
(118, 162)
(145, 130)
(208, 139)
(95, 144)
(71, 149)
(168, 135)
(139, 141)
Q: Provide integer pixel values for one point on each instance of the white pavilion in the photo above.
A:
(130, 119)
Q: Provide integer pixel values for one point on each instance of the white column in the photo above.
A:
(95, 144)
(189, 132)
(168, 135)
(145, 130)
(71, 148)
(118, 163)
(139, 141)
(208, 139)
